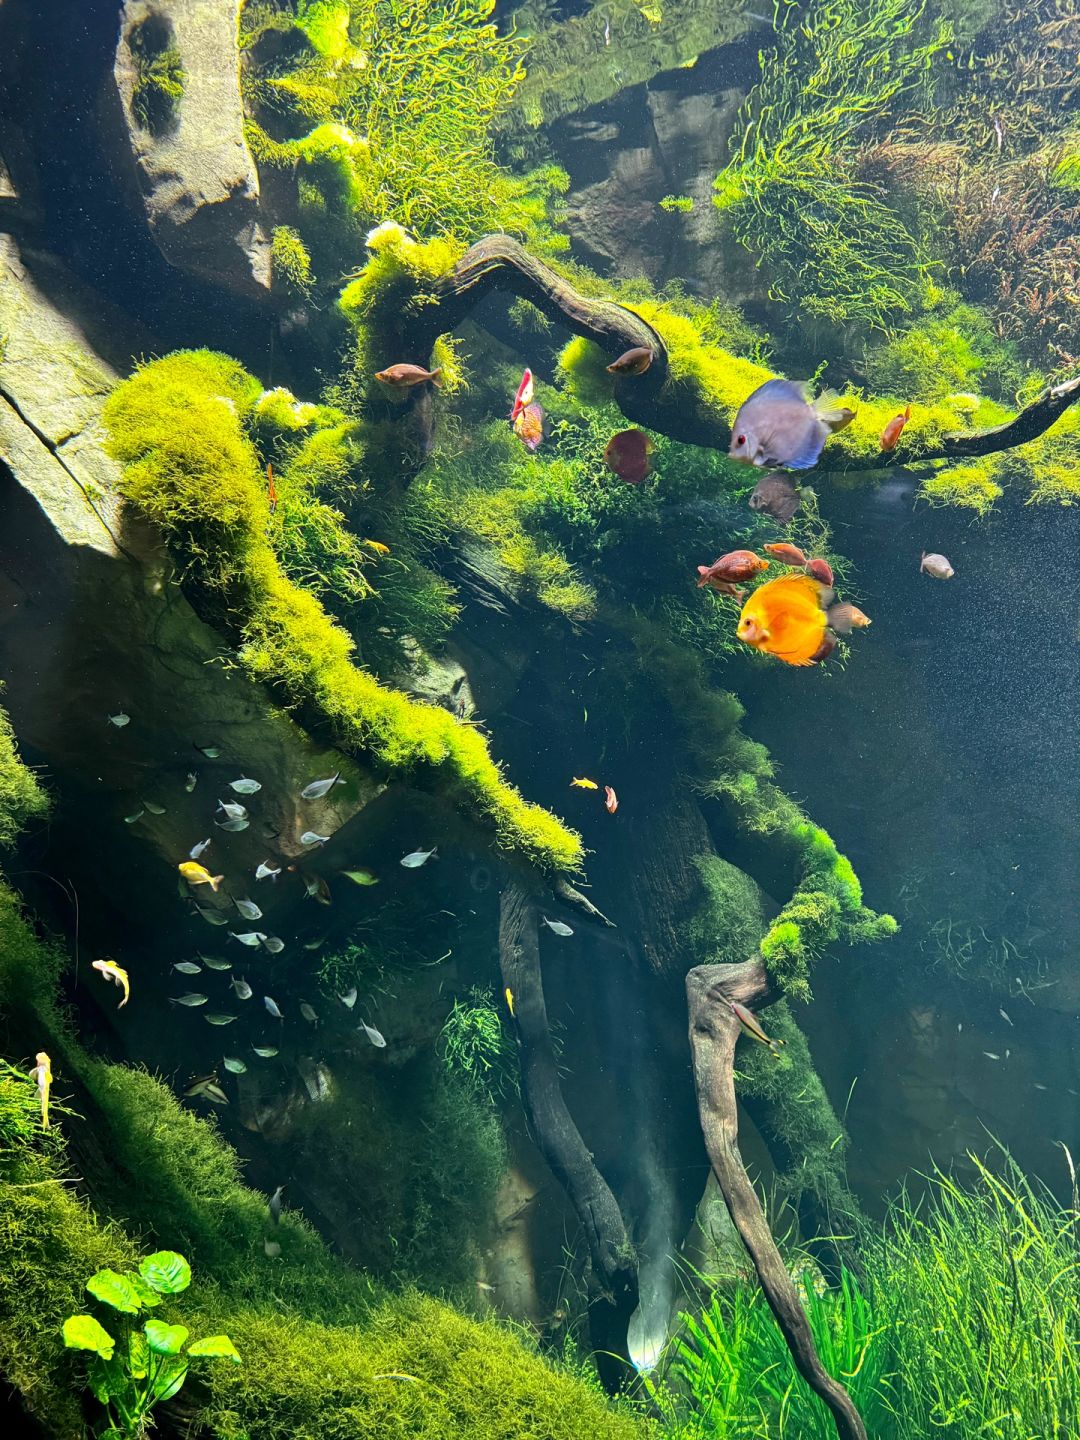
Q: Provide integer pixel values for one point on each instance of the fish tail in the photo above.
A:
(215, 882)
(435, 377)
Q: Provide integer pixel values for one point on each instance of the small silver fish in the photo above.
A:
(271, 1249)
(936, 566)
(778, 425)
(274, 1204)
(776, 496)
(244, 786)
(487, 1289)
(248, 937)
(188, 967)
(314, 944)
(153, 808)
(190, 999)
(273, 944)
(1037, 1086)
(208, 1089)
(318, 788)
(232, 825)
(990, 1055)
(309, 1013)
(349, 998)
(198, 851)
(248, 909)
(191, 781)
(309, 837)
(375, 1036)
(212, 917)
(210, 751)
(235, 1065)
(558, 926)
(272, 1006)
(316, 888)
(607, 32)
(215, 962)
(232, 810)
(131, 819)
(1004, 1015)
(416, 858)
(265, 871)
(119, 719)
(219, 1019)
(265, 1052)
(241, 986)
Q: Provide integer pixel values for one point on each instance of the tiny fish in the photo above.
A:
(404, 377)
(271, 490)
(776, 496)
(248, 937)
(219, 1019)
(119, 719)
(235, 1065)
(845, 618)
(959, 1026)
(524, 394)
(778, 425)
(188, 967)
(318, 788)
(241, 986)
(375, 1036)
(41, 1074)
(990, 1055)
(632, 362)
(131, 819)
(215, 962)
(314, 944)
(191, 999)
(273, 944)
(232, 809)
(309, 1013)
(558, 927)
(1005, 1017)
(611, 800)
(893, 430)
(153, 808)
(248, 909)
(232, 825)
(377, 548)
(309, 837)
(109, 970)
(210, 751)
(416, 858)
(349, 998)
(191, 781)
(266, 871)
(316, 888)
(208, 1088)
(272, 1006)
(752, 1027)
(244, 786)
(198, 851)
(359, 877)
(273, 1206)
(583, 783)
(265, 1052)
(820, 570)
(509, 1001)
(722, 587)
(196, 874)
(1037, 1086)
(936, 566)
(736, 565)
(212, 917)
(529, 426)
(627, 455)
(271, 1249)
(787, 554)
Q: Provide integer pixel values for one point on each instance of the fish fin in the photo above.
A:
(435, 377)
(835, 416)
(809, 454)
(790, 389)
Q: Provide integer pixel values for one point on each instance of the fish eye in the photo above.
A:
(740, 440)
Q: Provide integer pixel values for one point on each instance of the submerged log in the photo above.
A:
(713, 1032)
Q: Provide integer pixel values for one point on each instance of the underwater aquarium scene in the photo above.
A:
(539, 696)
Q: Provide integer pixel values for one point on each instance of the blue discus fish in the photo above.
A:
(779, 425)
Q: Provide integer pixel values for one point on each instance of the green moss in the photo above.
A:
(201, 483)
(159, 74)
(291, 261)
(21, 797)
(953, 348)
(728, 925)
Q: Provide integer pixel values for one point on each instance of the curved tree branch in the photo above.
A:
(713, 1032)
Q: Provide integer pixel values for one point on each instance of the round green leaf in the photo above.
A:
(165, 1339)
(138, 1355)
(170, 1377)
(83, 1332)
(115, 1290)
(166, 1271)
(217, 1347)
(146, 1293)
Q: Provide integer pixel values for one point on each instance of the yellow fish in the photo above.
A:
(196, 874)
(509, 1000)
(785, 618)
(42, 1073)
(377, 546)
(584, 784)
(111, 971)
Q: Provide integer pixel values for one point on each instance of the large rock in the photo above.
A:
(198, 181)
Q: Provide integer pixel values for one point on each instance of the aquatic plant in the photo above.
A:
(133, 1372)
(475, 1046)
(159, 73)
(833, 250)
(951, 348)
(291, 260)
(21, 797)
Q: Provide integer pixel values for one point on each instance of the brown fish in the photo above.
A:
(736, 565)
(776, 496)
(723, 587)
(627, 455)
(787, 554)
(404, 377)
(845, 618)
(893, 430)
(821, 571)
(825, 649)
(633, 362)
(611, 800)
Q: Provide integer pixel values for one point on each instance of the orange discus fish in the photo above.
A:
(785, 618)
(786, 554)
(894, 429)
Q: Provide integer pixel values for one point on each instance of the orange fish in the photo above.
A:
(724, 587)
(821, 570)
(736, 565)
(611, 800)
(633, 362)
(845, 618)
(529, 426)
(627, 454)
(787, 554)
(403, 377)
(785, 618)
(894, 429)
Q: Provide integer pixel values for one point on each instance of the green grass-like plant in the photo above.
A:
(475, 1046)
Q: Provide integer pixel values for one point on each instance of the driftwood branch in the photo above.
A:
(499, 263)
(713, 1032)
(553, 1127)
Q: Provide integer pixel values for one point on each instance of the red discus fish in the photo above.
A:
(627, 455)
(894, 429)
(736, 565)
(611, 800)
(529, 426)
(787, 554)
(821, 571)
(524, 394)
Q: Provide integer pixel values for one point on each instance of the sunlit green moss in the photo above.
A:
(290, 259)
(21, 797)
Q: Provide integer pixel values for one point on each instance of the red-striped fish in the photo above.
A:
(749, 1022)
(524, 395)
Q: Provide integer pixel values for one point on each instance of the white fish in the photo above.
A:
(318, 788)
(215, 962)
(314, 944)
(936, 566)
(130, 819)
(265, 1052)
(266, 871)
(235, 1065)
(1005, 1017)
(218, 1019)
(309, 1013)
(153, 807)
(198, 851)
(212, 917)
(272, 1006)
(241, 986)
(779, 425)
(233, 810)
(274, 1205)
(273, 944)
(244, 786)
(959, 1026)
(375, 1036)
(233, 825)
(248, 937)
(190, 999)
(416, 858)
(558, 926)
(119, 719)
(1037, 1086)
(210, 751)
(990, 1055)
(248, 909)
(188, 967)
(349, 998)
(191, 781)
(271, 1249)
(309, 837)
